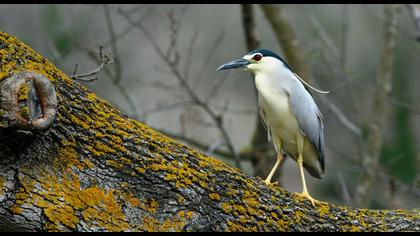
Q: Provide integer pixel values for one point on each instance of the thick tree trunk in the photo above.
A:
(96, 170)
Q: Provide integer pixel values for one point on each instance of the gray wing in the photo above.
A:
(309, 119)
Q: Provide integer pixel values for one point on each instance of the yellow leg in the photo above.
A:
(279, 158)
(304, 193)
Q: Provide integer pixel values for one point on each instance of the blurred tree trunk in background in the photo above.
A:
(400, 152)
(97, 170)
(262, 155)
(287, 39)
(378, 116)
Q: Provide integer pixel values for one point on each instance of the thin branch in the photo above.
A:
(405, 105)
(344, 189)
(216, 151)
(114, 46)
(216, 145)
(324, 36)
(168, 107)
(215, 88)
(234, 111)
(104, 59)
(190, 51)
(210, 54)
(341, 117)
(129, 29)
(344, 36)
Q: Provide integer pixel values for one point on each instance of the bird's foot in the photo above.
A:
(307, 196)
(269, 183)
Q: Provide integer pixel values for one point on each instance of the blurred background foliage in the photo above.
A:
(164, 55)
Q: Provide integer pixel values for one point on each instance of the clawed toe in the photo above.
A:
(307, 196)
(273, 183)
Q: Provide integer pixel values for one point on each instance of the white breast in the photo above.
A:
(281, 122)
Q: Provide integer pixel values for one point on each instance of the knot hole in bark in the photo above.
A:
(28, 102)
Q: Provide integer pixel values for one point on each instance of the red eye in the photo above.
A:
(257, 57)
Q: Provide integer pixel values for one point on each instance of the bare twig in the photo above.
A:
(136, 9)
(167, 107)
(324, 36)
(214, 147)
(114, 46)
(210, 54)
(399, 186)
(405, 105)
(344, 189)
(216, 150)
(342, 117)
(215, 88)
(343, 36)
(104, 59)
(129, 29)
(190, 51)
(233, 111)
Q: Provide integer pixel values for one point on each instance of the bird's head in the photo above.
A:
(259, 60)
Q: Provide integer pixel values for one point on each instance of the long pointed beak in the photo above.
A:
(240, 63)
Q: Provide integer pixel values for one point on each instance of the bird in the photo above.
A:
(288, 112)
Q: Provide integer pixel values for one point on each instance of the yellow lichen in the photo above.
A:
(323, 209)
(240, 209)
(180, 173)
(214, 196)
(23, 93)
(181, 199)
(24, 112)
(235, 227)
(227, 207)
(181, 214)
(299, 216)
(2, 181)
(140, 170)
(113, 163)
(153, 206)
(151, 224)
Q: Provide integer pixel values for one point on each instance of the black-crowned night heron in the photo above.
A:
(288, 111)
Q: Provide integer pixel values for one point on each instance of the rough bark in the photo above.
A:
(96, 170)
